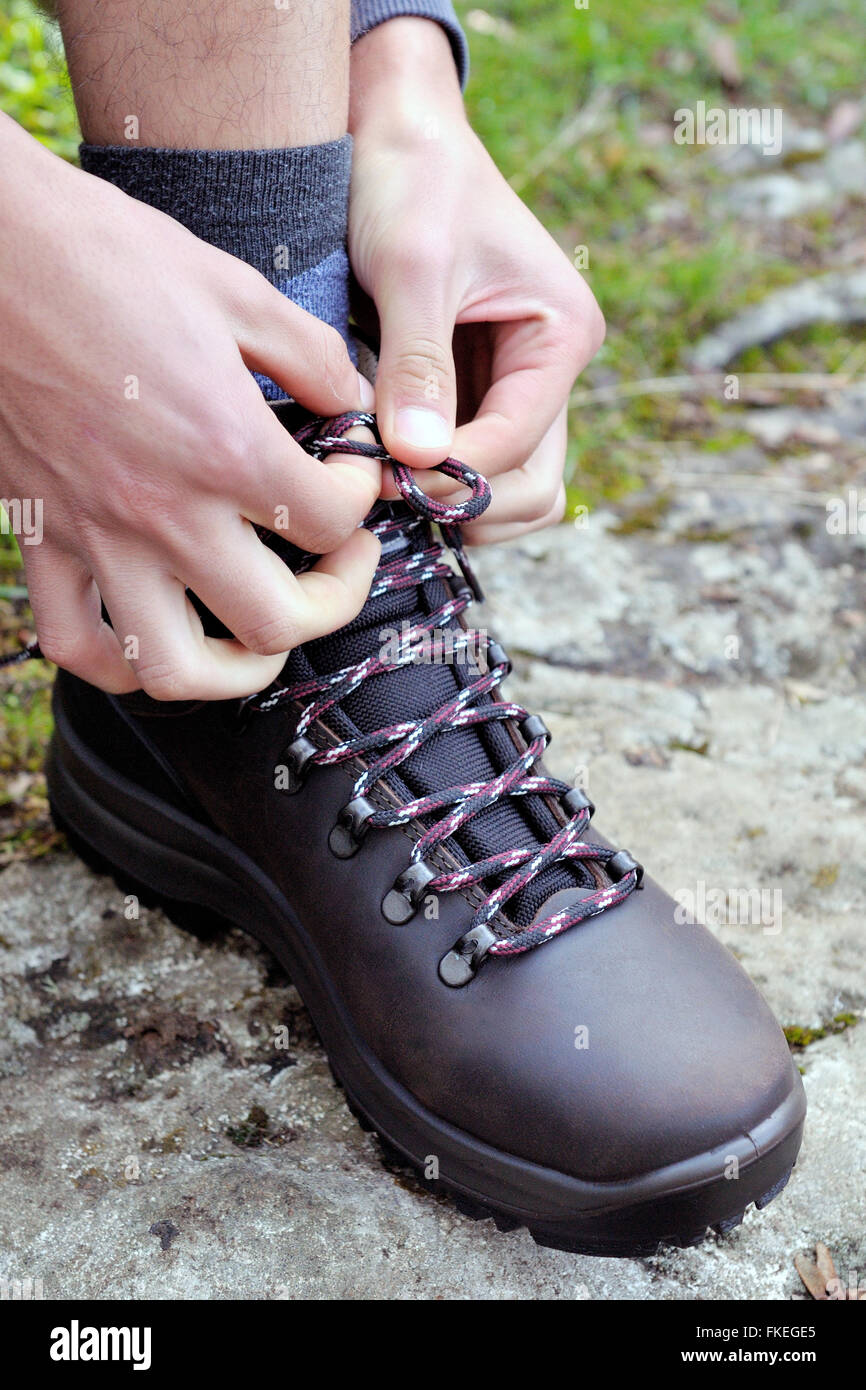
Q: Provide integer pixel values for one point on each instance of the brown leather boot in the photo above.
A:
(504, 996)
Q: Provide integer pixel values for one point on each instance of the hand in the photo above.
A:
(127, 409)
(458, 268)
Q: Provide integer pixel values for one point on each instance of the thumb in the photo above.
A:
(416, 388)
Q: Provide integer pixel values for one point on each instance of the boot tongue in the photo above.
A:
(415, 692)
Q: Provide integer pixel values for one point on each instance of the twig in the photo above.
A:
(584, 122)
(705, 381)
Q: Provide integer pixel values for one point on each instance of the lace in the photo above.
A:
(397, 742)
(28, 653)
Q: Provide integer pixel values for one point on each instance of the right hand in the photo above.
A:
(127, 408)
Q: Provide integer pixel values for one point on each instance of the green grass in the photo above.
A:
(26, 722)
(661, 285)
(34, 88)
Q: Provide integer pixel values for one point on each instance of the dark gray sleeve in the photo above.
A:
(366, 14)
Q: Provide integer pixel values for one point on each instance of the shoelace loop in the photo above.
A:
(320, 437)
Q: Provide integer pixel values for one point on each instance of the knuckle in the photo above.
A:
(579, 318)
(596, 326)
(226, 452)
(334, 361)
(425, 255)
(165, 678)
(541, 501)
(537, 509)
(557, 511)
(326, 533)
(136, 501)
(67, 649)
(247, 292)
(270, 636)
(420, 359)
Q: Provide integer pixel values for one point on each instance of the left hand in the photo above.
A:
(484, 323)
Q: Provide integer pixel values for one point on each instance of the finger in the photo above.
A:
(69, 625)
(535, 362)
(337, 587)
(479, 534)
(523, 495)
(372, 467)
(528, 493)
(268, 608)
(530, 387)
(416, 388)
(277, 484)
(303, 355)
(164, 641)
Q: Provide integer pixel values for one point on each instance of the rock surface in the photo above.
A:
(168, 1124)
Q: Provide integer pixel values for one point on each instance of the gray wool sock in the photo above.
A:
(282, 211)
(367, 14)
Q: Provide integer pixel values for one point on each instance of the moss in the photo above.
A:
(251, 1132)
(647, 517)
(825, 876)
(725, 441)
(678, 745)
(168, 1144)
(800, 1037)
(845, 1020)
(698, 536)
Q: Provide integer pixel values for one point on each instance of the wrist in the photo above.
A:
(34, 182)
(404, 81)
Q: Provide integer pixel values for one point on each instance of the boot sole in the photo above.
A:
(204, 882)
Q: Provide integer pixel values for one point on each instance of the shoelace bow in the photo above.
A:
(397, 742)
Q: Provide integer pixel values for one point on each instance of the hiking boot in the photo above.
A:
(505, 997)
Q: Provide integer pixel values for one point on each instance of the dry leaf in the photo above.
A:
(801, 692)
(824, 1262)
(808, 1272)
(821, 1280)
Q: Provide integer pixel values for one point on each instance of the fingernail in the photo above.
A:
(423, 429)
(368, 395)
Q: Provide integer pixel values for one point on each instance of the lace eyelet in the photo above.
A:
(298, 757)
(496, 655)
(623, 863)
(401, 902)
(460, 965)
(352, 825)
(576, 801)
(533, 727)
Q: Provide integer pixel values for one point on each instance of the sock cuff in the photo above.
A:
(367, 14)
(249, 202)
